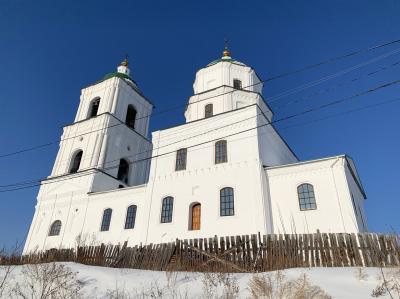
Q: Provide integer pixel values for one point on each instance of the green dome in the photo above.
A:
(224, 59)
(126, 78)
(119, 75)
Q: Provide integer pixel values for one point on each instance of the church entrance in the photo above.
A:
(196, 216)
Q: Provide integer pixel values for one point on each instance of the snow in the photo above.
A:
(99, 281)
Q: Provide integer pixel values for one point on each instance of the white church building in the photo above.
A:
(226, 171)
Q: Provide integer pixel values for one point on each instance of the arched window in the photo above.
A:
(226, 199)
(76, 162)
(94, 107)
(123, 171)
(55, 228)
(195, 214)
(181, 156)
(167, 208)
(237, 84)
(306, 197)
(105, 222)
(130, 117)
(208, 110)
(130, 217)
(220, 152)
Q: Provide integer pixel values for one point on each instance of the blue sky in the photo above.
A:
(50, 50)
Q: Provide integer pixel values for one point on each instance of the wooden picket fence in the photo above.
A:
(248, 253)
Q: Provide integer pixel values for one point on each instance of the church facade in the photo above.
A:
(226, 171)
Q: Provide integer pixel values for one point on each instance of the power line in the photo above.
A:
(319, 92)
(294, 115)
(328, 61)
(342, 113)
(329, 77)
(148, 151)
(308, 67)
(219, 138)
(221, 117)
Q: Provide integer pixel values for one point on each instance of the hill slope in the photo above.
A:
(99, 282)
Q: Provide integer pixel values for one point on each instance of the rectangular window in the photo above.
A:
(130, 217)
(306, 197)
(237, 84)
(221, 155)
(166, 209)
(105, 223)
(208, 110)
(181, 156)
(226, 202)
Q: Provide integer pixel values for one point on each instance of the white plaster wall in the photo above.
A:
(104, 142)
(202, 185)
(273, 149)
(223, 73)
(265, 197)
(87, 136)
(54, 203)
(123, 142)
(81, 216)
(214, 85)
(115, 95)
(223, 99)
(334, 211)
(203, 179)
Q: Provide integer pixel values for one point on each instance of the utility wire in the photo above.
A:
(308, 67)
(39, 182)
(329, 77)
(341, 113)
(243, 120)
(169, 136)
(328, 61)
(334, 87)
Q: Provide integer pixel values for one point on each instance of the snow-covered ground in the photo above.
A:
(99, 281)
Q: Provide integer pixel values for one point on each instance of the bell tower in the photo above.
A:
(106, 146)
(224, 85)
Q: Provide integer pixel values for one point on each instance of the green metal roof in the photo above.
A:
(119, 75)
(128, 80)
(225, 60)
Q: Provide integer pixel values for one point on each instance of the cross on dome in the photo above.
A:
(226, 54)
(125, 62)
(123, 67)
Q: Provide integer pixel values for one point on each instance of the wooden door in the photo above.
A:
(196, 216)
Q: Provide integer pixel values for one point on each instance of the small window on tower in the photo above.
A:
(94, 107)
(76, 162)
(181, 157)
(130, 117)
(123, 171)
(208, 110)
(221, 155)
(237, 84)
(55, 228)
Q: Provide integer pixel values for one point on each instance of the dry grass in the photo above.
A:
(220, 285)
(389, 284)
(45, 281)
(8, 260)
(276, 286)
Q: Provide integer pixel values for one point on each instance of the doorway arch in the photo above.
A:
(195, 216)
